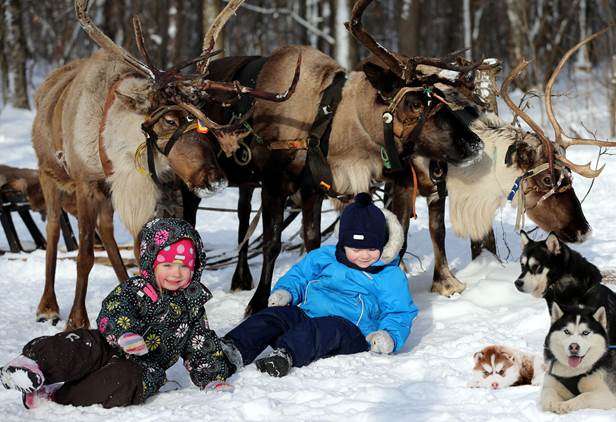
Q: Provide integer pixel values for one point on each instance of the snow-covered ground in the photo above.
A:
(426, 381)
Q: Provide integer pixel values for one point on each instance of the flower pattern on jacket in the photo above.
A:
(174, 324)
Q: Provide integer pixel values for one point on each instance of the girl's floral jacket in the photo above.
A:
(173, 324)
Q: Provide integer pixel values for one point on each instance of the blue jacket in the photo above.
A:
(322, 286)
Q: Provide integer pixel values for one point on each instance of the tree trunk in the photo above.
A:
(4, 63)
(410, 28)
(18, 55)
(179, 38)
(343, 48)
(517, 17)
(613, 98)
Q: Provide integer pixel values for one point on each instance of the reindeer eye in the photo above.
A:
(547, 180)
(171, 121)
(567, 332)
(585, 332)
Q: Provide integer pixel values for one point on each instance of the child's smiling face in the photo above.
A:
(363, 258)
(172, 275)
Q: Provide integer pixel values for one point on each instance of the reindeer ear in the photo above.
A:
(601, 316)
(136, 96)
(556, 313)
(523, 156)
(553, 244)
(524, 238)
(383, 80)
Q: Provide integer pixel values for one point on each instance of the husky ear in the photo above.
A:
(478, 356)
(557, 313)
(601, 316)
(524, 237)
(553, 244)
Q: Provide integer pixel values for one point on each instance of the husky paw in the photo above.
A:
(448, 286)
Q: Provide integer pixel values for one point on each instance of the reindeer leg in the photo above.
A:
(487, 243)
(48, 309)
(105, 228)
(311, 219)
(400, 206)
(242, 278)
(443, 282)
(87, 207)
(190, 204)
(273, 200)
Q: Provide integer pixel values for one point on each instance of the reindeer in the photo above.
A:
(384, 88)
(96, 120)
(512, 157)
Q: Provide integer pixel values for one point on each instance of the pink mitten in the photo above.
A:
(219, 386)
(133, 344)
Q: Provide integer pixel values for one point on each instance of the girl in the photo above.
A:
(145, 325)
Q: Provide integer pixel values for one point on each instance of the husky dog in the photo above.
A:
(552, 270)
(582, 372)
(500, 367)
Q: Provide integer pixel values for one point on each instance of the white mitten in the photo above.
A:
(380, 342)
(280, 297)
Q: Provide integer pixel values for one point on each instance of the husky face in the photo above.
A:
(536, 260)
(495, 367)
(577, 339)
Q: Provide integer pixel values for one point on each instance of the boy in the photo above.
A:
(341, 299)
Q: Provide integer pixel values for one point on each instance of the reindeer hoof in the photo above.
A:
(52, 316)
(448, 287)
(76, 323)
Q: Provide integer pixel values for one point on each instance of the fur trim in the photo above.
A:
(396, 237)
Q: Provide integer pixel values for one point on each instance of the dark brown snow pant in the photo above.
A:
(92, 371)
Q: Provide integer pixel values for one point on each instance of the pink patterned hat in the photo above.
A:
(182, 251)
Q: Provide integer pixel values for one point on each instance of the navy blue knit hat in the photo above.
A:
(362, 225)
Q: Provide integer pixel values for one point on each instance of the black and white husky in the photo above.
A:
(582, 366)
(555, 272)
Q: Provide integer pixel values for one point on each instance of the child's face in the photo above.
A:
(172, 276)
(363, 258)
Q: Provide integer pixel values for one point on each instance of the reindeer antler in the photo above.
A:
(559, 137)
(209, 39)
(356, 28)
(106, 43)
(504, 92)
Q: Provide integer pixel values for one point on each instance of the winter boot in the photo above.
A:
(33, 400)
(233, 355)
(22, 374)
(277, 364)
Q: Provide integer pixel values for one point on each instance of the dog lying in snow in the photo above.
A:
(557, 273)
(499, 367)
(582, 372)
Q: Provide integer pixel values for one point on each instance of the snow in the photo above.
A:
(426, 381)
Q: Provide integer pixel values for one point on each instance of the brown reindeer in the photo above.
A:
(476, 192)
(356, 139)
(96, 119)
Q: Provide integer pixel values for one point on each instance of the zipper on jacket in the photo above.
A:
(362, 309)
(306, 291)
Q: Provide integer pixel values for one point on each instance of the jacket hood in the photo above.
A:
(395, 240)
(162, 232)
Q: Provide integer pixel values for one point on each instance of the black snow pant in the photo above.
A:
(92, 371)
(305, 339)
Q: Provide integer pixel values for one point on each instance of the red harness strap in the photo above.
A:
(102, 154)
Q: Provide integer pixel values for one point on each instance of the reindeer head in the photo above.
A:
(168, 101)
(422, 119)
(548, 191)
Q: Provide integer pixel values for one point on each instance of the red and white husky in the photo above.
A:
(500, 367)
